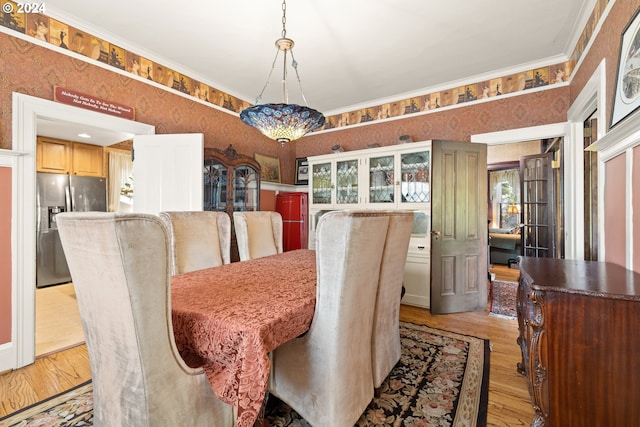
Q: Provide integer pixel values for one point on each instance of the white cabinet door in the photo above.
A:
(167, 173)
(417, 271)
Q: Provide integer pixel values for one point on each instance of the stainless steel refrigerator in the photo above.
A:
(56, 193)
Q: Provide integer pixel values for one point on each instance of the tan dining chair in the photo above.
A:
(325, 375)
(199, 239)
(385, 341)
(120, 267)
(258, 233)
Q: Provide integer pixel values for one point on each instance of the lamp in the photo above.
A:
(512, 209)
(283, 122)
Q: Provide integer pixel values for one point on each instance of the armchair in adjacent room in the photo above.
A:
(120, 267)
(199, 239)
(325, 375)
(258, 233)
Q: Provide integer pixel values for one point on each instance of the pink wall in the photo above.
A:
(614, 213)
(635, 182)
(5, 254)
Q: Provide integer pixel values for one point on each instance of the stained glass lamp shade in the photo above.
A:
(283, 122)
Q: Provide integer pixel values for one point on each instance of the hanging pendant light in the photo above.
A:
(283, 122)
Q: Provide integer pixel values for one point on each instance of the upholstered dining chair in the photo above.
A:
(325, 375)
(385, 341)
(199, 239)
(120, 267)
(258, 233)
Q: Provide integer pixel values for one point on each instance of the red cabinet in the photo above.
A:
(294, 209)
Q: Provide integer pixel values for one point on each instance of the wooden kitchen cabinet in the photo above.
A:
(53, 155)
(578, 323)
(67, 157)
(87, 160)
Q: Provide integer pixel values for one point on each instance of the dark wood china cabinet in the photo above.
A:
(578, 334)
(231, 183)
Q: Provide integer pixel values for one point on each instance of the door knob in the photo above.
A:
(435, 234)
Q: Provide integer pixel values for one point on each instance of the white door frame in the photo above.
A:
(544, 132)
(26, 111)
(592, 97)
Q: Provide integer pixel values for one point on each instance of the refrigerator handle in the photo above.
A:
(67, 199)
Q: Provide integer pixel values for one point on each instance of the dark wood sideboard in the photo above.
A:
(579, 324)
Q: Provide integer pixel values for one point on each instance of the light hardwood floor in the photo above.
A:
(509, 403)
(58, 323)
(505, 273)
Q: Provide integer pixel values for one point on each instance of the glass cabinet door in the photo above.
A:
(381, 179)
(347, 182)
(321, 184)
(215, 186)
(415, 170)
(245, 190)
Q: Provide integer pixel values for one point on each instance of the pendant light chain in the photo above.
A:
(283, 122)
(284, 18)
(285, 95)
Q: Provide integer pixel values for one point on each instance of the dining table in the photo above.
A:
(227, 319)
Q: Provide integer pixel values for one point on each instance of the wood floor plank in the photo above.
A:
(509, 403)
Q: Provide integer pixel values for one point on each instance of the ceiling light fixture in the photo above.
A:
(283, 122)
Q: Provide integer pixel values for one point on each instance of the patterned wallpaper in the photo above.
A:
(457, 124)
(39, 25)
(35, 70)
(50, 30)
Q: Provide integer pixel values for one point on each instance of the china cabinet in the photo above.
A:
(578, 324)
(231, 183)
(394, 177)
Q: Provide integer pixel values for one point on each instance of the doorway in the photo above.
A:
(27, 110)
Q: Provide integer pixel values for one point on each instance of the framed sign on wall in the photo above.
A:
(302, 171)
(627, 93)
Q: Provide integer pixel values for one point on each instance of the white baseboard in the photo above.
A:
(7, 357)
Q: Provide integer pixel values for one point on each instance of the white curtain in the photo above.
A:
(496, 178)
(120, 168)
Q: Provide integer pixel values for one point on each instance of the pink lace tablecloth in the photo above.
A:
(227, 319)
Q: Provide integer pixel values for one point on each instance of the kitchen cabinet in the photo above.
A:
(67, 157)
(53, 155)
(389, 178)
(231, 183)
(87, 159)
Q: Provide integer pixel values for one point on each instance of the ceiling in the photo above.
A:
(351, 53)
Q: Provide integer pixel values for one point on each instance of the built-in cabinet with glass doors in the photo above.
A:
(395, 178)
(231, 183)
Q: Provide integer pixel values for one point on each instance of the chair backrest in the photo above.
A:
(325, 375)
(199, 239)
(385, 342)
(119, 265)
(258, 233)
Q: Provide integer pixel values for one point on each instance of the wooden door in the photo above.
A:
(538, 206)
(459, 227)
(167, 173)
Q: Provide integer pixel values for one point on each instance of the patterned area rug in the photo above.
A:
(441, 380)
(503, 299)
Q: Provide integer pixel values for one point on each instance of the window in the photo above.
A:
(505, 198)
